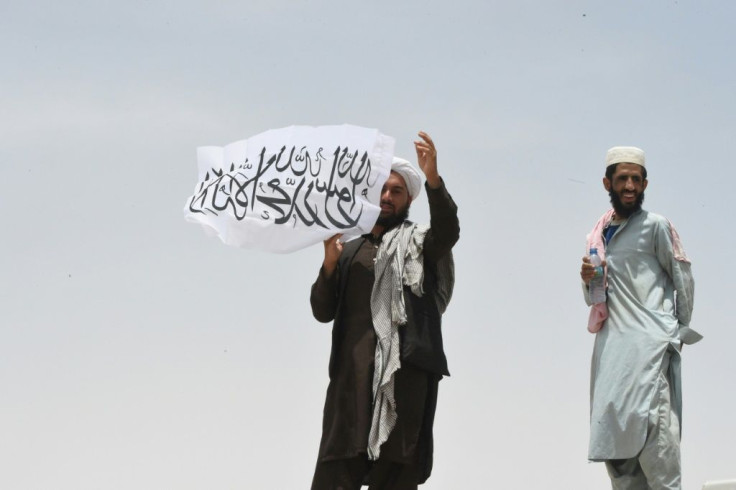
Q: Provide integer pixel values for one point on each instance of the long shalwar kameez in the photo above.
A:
(650, 300)
(406, 457)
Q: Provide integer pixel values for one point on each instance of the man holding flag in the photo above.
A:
(386, 292)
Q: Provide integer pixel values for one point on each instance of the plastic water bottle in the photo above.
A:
(596, 288)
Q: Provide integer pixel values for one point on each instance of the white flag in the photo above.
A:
(289, 188)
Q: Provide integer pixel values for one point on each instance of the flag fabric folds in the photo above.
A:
(286, 189)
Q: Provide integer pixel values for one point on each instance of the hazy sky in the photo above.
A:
(138, 353)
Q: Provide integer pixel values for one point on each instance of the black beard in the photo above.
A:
(393, 219)
(623, 211)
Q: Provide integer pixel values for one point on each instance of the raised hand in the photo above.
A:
(427, 159)
(333, 249)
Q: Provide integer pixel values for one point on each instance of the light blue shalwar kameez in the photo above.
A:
(635, 371)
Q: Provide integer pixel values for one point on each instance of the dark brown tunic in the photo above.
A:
(348, 405)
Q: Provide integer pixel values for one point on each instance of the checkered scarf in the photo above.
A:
(399, 262)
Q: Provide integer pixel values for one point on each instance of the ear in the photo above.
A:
(644, 185)
(408, 203)
(607, 184)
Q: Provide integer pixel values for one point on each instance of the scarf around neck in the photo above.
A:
(399, 263)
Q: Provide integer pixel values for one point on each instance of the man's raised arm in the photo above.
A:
(444, 225)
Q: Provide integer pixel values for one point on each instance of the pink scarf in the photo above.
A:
(599, 311)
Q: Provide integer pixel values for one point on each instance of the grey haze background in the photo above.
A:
(138, 353)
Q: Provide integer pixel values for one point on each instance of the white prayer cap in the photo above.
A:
(625, 154)
(409, 173)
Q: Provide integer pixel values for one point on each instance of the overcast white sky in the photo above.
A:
(138, 353)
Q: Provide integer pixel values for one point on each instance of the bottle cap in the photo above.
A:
(593, 250)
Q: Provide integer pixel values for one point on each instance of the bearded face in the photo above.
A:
(624, 209)
(626, 189)
(395, 201)
(389, 219)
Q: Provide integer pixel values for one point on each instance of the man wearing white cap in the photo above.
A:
(635, 387)
(386, 292)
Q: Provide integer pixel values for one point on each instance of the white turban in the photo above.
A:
(411, 177)
(625, 154)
